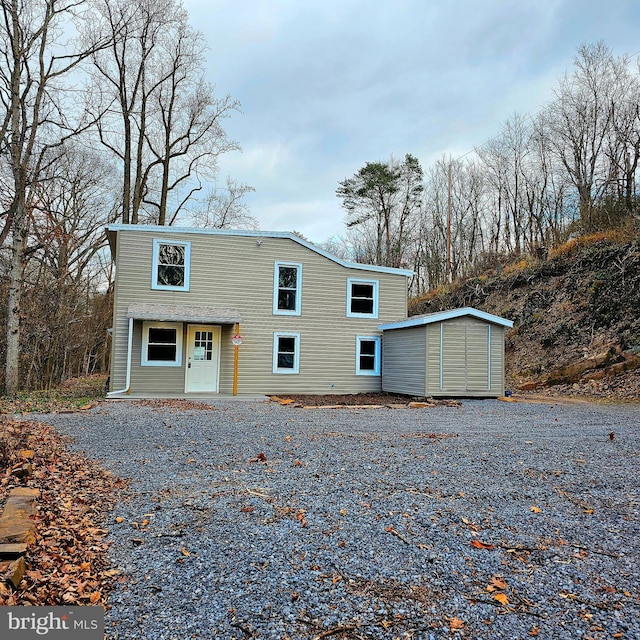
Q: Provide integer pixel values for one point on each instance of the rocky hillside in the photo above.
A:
(576, 317)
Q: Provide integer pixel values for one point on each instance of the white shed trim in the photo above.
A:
(430, 318)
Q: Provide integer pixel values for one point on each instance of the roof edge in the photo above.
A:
(440, 316)
(114, 228)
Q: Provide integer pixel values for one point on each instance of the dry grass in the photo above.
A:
(72, 394)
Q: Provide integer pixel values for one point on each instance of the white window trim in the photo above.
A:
(187, 265)
(376, 285)
(296, 355)
(367, 372)
(276, 287)
(145, 343)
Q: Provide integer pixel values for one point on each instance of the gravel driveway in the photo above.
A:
(255, 520)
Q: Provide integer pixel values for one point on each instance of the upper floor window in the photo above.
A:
(171, 262)
(287, 289)
(362, 298)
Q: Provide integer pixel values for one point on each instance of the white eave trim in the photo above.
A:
(430, 318)
(155, 229)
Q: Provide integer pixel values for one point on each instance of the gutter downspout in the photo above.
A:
(127, 388)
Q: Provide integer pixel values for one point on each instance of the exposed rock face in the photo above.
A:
(575, 314)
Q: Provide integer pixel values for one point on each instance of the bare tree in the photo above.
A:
(158, 116)
(580, 121)
(37, 55)
(63, 334)
(226, 208)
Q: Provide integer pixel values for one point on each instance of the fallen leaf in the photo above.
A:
(535, 631)
(185, 552)
(297, 463)
(589, 511)
(455, 623)
(119, 519)
(481, 545)
(94, 597)
(502, 598)
(287, 438)
(496, 583)
(536, 509)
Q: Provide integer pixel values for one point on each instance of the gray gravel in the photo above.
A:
(360, 524)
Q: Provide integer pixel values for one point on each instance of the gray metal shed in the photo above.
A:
(446, 354)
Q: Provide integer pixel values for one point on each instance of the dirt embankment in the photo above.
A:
(576, 318)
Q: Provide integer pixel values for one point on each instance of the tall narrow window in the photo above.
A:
(368, 356)
(287, 289)
(286, 352)
(171, 265)
(362, 298)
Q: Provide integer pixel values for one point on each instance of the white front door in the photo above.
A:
(203, 358)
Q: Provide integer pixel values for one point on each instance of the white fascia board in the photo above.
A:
(114, 228)
(447, 315)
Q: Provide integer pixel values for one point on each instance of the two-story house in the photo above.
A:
(308, 321)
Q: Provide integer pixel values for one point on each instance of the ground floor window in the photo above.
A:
(368, 355)
(286, 352)
(161, 344)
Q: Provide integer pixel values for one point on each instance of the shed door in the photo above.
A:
(464, 357)
(477, 340)
(203, 358)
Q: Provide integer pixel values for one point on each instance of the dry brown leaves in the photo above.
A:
(67, 564)
(175, 404)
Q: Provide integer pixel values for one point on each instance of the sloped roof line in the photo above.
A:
(182, 313)
(259, 234)
(440, 316)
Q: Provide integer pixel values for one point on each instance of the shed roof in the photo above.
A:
(440, 316)
(182, 313)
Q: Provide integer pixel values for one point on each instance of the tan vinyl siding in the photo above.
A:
(433, 359)
(404, 361)
(497, 360)
(238, 272)
(477, 353)
(454, 355)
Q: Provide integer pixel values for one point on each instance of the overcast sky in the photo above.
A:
(329, 85)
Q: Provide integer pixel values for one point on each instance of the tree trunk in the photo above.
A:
(12, 363)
